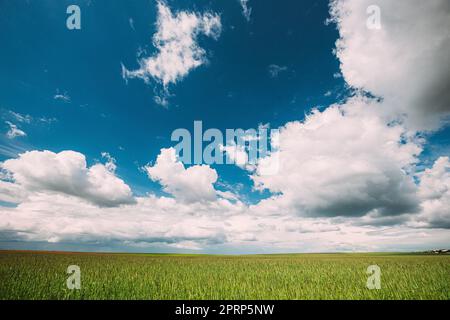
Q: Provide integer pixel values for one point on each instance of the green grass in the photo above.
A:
(32, 275)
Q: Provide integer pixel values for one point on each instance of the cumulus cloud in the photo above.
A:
(353, 159)
(176, 40)
(161, 221)
(60, 217)
(406, 61)
(11, 192)
(434, 190)
(67, 173)
(14, 131)
(344, 161)
(347, 175)
(237, 154)
(193, 184)
(49, 212)
(110, 164)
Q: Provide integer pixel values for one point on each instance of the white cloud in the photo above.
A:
(110, 164)
(406, 62)
(176, 40)
(54, 218)
(228, 195)
(346, 175)
(237, 155)
(193, 184)
(351, 159)
(51, 214)
(25, 118)
(14, 131)
(67, 173)
(64, 97)
(344, 161)
(167, 222)
(47, 120)
(246, 10)
(275, 70)
(434, 190)
(11, 192)
(28, 119)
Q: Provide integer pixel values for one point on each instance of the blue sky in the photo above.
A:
(65, 90)
(235, 90)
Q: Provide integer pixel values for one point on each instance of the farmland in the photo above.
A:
(43, 275)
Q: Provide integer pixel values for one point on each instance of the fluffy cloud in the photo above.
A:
(53, 214)
(434, 190)
(14, 131)
(358, 159)
(52, 189)
(406, 61)
(193, 184)
(237, 154)
(11, 192)
(53, 218)
(67, 173)
(176, 42)
(344, 161)
(164, 222)
(346, 174)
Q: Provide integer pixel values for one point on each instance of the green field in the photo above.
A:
(40, 275)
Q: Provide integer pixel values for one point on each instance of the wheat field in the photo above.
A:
(43, 275)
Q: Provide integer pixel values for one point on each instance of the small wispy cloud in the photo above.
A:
(275, 70)
(110, 164)
(12, 148)
(25, 118)
(28, 119)
(14, 131)
(47, 120)
(246, 10)
(62, 96)
(131, 22)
